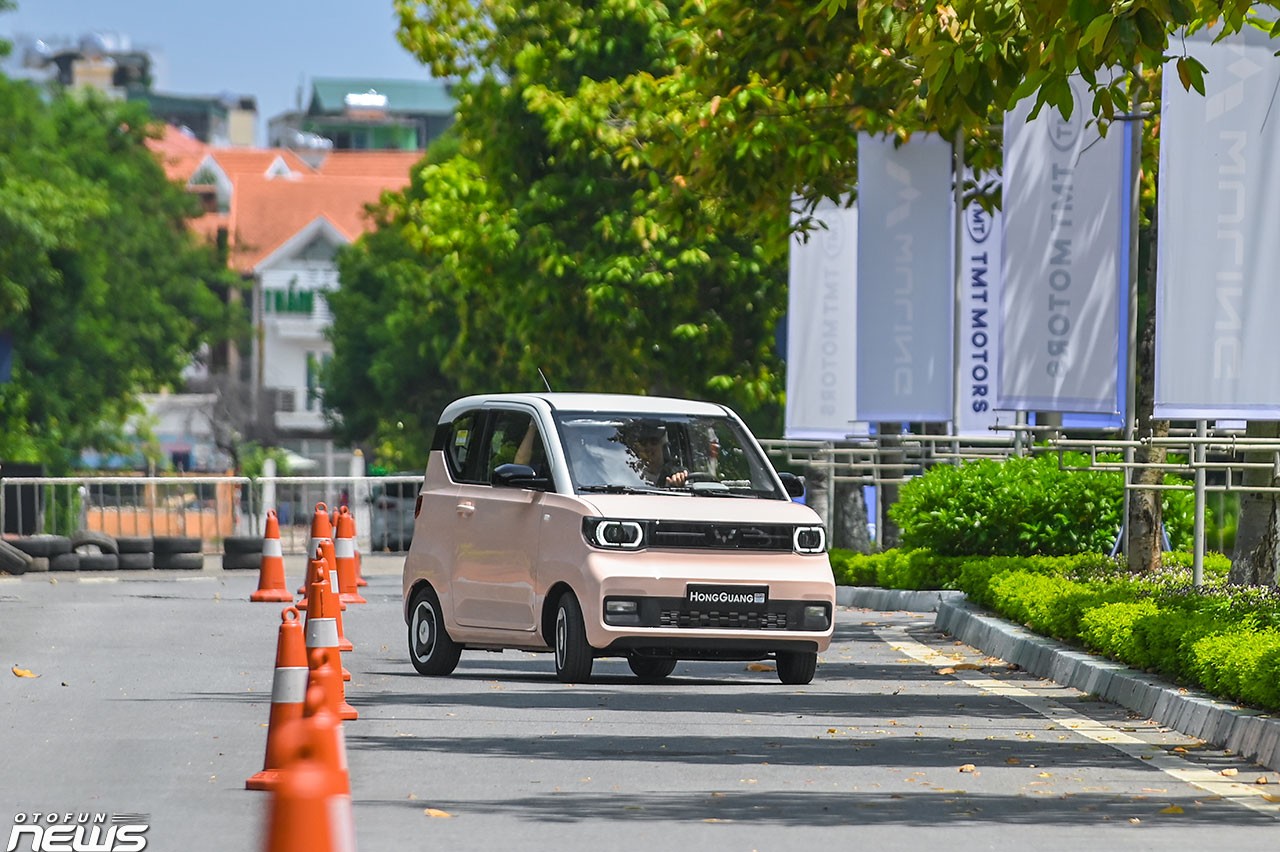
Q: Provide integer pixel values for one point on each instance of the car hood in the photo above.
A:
(682, 507)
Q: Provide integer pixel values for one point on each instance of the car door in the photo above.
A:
(498, 529)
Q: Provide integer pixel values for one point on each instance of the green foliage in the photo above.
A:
(530, 245)
(103, 288)
(1223, 638)
(1022, 506)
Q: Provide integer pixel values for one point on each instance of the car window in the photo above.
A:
(698, 454)
(459, 449)
(514, 438)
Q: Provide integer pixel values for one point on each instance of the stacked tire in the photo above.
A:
(241, 552)
(178, 553)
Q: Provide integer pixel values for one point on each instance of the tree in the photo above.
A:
(538, 249)
(102, 287)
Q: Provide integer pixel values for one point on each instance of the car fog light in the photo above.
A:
(816, 618)
(621, 612)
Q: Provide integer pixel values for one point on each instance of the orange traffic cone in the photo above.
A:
(360, 580)
(311, 806)
(271, 587)
(288, 691)
(321, 529)
(344, 549)
(322, 641)
(323, 573)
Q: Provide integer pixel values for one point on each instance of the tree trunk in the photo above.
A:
(1258, 535)
(1146, 518)
(891, 455)
(848, 513)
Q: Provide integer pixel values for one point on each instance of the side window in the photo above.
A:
(514, 438)
(460, 447)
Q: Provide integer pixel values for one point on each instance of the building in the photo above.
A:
(367, 115)
(281, 216)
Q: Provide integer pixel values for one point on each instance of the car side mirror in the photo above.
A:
(520, 476)
(794, 485)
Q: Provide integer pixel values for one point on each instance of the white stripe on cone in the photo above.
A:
(289, 685)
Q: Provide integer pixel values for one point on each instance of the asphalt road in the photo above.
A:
(153, 692)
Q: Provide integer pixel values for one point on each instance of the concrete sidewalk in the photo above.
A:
(1249, 733)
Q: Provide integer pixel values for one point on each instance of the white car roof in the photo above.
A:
(611, 402)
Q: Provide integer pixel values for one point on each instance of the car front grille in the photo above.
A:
(721, 536)
(730, 619)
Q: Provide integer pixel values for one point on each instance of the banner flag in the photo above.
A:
(821, 323)
(1217, 254)
(980, 279)
(906, 293)
(1064, 318)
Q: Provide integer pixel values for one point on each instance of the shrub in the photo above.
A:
(1022, 506)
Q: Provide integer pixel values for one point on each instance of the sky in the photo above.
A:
(264, 48)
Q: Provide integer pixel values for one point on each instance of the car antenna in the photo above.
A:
(542, 376)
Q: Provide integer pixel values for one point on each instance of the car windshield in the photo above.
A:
(705, 456)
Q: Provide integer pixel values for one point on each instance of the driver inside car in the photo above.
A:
(651, 449)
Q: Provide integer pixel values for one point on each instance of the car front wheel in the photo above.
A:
(431, 650)
(573, 655)
(797, 667)
(651, 668)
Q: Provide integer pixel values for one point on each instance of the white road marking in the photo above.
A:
(1245, 795)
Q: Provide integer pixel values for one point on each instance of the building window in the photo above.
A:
(315, 366)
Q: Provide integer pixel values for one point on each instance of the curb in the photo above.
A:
(1249, 733)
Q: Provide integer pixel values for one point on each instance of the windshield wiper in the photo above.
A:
(619, 489)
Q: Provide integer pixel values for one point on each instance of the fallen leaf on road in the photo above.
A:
(1172, 809)
(948, 670)
(1262, 779)
(1134, 821)
(1270, 797)
(24, 672)
(760, 667)
(1229, 772)
(437, 813)
(968, 667)
(1012, 761)
(968, 767)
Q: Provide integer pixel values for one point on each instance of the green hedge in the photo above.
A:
(1023, 506)
(1223, 639)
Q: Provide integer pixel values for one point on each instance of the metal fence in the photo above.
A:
(210, 508)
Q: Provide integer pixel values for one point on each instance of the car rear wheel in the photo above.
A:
(651, 668)
(797, 667)
(431, 650)
(573, 655)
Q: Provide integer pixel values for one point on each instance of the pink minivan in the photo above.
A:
(598, 525)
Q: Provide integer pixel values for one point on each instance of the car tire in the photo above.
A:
(241, 544)
(65, 562)
(42, 545)
(241, 561)
(179, 561)
(573, 655)
(651, 668)
(137, 561)
(99, 562)
(431, 650)
(105, 543)
(135, 543)
(13, 560)
(797, 667)
(169, 544)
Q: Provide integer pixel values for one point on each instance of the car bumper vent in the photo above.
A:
(729, 619)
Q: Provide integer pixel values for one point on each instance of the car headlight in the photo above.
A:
(809, 539)
(613, 534)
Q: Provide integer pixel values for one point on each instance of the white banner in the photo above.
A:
(1218, 254)
(906, 304)
(821, 323)
(1064, 318)
(980, 276)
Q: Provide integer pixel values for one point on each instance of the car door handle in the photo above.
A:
(466, 507)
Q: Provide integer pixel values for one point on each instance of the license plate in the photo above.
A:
(728, 597)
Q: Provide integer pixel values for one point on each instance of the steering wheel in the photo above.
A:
(701, 476)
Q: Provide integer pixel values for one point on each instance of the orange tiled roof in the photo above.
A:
(179, 153)
(266, 213)
(389, 164)
(237, 161)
